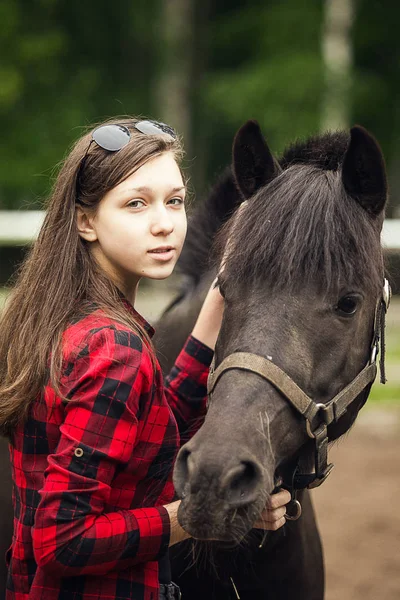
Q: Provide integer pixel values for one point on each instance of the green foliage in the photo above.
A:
(66, 64)
(267, 67)
(377, 84)
(390, 392)
(385, 394)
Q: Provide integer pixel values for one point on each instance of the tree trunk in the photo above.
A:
(173, 88)
(338, 60)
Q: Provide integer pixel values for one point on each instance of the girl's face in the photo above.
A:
(140, 225)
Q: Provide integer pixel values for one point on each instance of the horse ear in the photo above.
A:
(363, 171)
(253, 164)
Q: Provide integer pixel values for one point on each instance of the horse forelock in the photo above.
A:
(324, 151)
(304, 228)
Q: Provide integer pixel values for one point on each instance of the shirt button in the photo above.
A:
(78, 452)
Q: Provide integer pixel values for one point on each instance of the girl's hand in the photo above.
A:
(177, 533)
(273, 515)
(210, 317)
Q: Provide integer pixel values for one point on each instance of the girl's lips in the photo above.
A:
(163, 255)
(162, 249)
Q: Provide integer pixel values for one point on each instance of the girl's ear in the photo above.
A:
(85, 226)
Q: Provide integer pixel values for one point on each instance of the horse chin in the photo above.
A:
(220, 524)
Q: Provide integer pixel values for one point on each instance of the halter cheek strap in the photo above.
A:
(317, 415)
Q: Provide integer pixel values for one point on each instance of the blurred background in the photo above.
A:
(205, 67)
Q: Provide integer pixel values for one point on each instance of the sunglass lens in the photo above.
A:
(154, 128)
(111, 137)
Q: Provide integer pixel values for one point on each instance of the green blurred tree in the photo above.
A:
(66, 63)
(337, 52)
(376, 96)
(204, 66)
(264, 63)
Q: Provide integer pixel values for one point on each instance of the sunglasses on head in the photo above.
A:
(114, 137)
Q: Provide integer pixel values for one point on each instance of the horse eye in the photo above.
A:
(347, 305)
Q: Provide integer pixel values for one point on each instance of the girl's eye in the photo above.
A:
(136, 204)
(176, 201)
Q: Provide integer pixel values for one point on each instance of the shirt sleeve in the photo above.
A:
(73, 534)
(186, 387)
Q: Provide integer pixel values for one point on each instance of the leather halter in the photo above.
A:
(317, 416)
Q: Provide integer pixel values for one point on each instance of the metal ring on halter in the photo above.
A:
(308, 424)
(297, 514)
(387, 293)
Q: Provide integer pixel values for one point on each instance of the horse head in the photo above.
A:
(302, 276)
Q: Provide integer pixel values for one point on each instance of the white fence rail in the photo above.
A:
(21, 227)
(391, 234)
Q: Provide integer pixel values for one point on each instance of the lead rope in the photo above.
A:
(386, 297)
(235, 588)
(383, 343)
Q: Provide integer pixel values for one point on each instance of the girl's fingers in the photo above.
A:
(270, 526)
(279, 499)
(272, 515)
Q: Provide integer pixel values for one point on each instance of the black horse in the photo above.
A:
(302, 280)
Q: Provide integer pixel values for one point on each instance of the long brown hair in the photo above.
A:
(59, 277)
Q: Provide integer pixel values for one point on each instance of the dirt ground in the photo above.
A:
(358, 510)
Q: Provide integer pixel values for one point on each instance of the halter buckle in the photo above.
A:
(319, 480)
(326, 412)
(374, 353)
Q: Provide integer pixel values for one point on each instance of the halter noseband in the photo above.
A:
(317, 415)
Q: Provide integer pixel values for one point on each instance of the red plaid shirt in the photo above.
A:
(91, 475)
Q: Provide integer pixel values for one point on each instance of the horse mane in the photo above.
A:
(303, 226)
(203, 224)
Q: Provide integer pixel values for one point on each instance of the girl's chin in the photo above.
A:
(160, 273)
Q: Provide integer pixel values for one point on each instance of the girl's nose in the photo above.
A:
(162, 223)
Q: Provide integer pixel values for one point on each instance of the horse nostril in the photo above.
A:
(181, 470)
(241, 484)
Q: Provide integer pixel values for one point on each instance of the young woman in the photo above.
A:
(93, 428)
